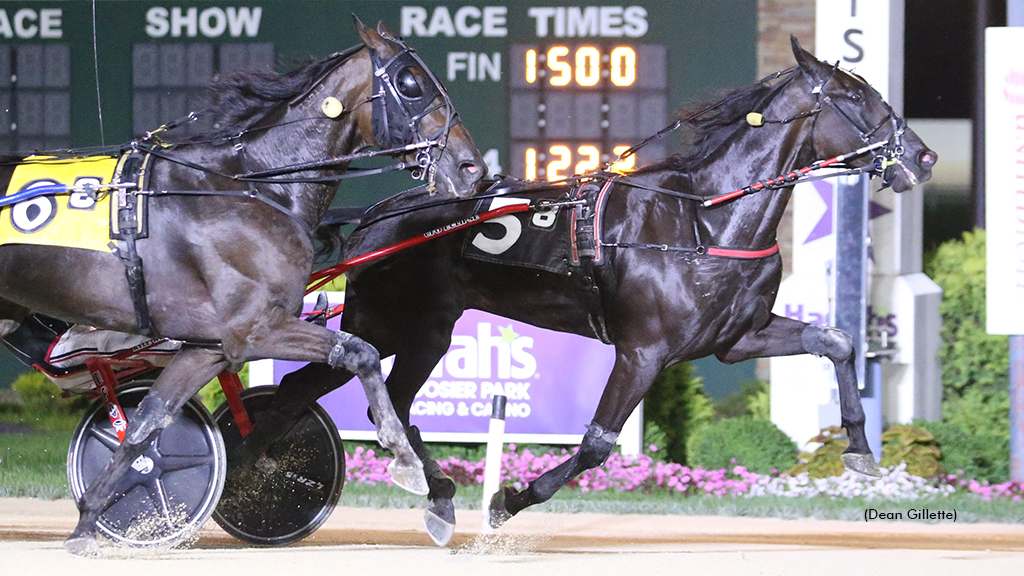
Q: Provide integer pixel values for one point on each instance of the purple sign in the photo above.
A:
(553, 382)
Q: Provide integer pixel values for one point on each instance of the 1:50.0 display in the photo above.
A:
(583, 66)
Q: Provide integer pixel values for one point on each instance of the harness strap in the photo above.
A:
(252, 193)
(127, 225)
(237, 194)
(716, 251)
(133, 272)
(699, 250)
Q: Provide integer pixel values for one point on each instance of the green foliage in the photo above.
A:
(757, 444)
(655, 441)
(974, 436)
(913, 445)
(759, 404)
(34, 465)
(676, 406)
(40, 405)
(212, 395)
(40, 396)
(971, 359)
(824, 461)
(981, 456)
(980, 412)
(752, 400)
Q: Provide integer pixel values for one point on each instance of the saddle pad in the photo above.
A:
(68, 220)
(529, 239)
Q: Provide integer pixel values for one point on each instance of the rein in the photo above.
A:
(321, 278)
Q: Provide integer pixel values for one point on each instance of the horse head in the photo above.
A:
(412, 107)
(851, 115)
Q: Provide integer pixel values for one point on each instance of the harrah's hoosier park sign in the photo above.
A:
(1004, 179)
(553, 382)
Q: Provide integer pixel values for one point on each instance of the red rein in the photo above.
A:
(319, 279)
(791, 178)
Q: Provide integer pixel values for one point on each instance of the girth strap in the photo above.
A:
(128, 223)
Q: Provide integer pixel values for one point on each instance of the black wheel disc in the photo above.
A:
(171, 490)
(294, 488)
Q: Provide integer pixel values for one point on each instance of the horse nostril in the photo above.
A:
(471, 169)
(927, 158)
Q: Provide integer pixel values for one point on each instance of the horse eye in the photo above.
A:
(856, 97)
(407, 85)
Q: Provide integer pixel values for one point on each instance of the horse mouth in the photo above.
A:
(911, 172)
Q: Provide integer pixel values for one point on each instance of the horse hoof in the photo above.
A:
(863, 464)
(439, 520)
(409, 478)
(82, 546)
(497, 514)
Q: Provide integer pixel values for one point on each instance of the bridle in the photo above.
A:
(887, 157)
(400, 103)
(888, 154)
(397, 112)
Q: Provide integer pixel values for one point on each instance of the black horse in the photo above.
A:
(670, 277)
(230, 244)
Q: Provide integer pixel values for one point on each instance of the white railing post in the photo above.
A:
(492, 463)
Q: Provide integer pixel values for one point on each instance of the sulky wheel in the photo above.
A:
(293, 488)
(171, 490)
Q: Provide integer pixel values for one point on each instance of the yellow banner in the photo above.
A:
(70, 220)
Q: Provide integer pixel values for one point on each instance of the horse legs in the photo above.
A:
(187, 372)
(301, 388)
(411, 370)
(787, 337)
(302, 341)
(632, 376)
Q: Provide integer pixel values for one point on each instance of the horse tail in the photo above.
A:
(329, 235)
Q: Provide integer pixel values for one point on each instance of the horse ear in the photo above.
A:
(815, 70)
(368, 35)
(384, 31)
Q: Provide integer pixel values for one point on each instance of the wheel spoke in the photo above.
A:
(159, 498)
(175, 463)
(105, 437)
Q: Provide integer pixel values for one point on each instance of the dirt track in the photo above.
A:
(360, 540)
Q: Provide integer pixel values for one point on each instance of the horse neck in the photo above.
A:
(304, 134)
(753, 155)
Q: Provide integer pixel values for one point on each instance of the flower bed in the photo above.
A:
(643, 473)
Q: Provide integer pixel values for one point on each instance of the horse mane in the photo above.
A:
(241, 99)
(706, 132)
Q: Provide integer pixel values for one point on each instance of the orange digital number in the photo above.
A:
(627, 164)
(591, 158)
(531, 66)
(562, 70)
(588, 66)
(623, 64)
(563, 162)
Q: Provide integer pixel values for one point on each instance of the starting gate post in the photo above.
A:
(851, 292)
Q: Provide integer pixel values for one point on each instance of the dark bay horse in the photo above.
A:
(677, 279)
(230, 247)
